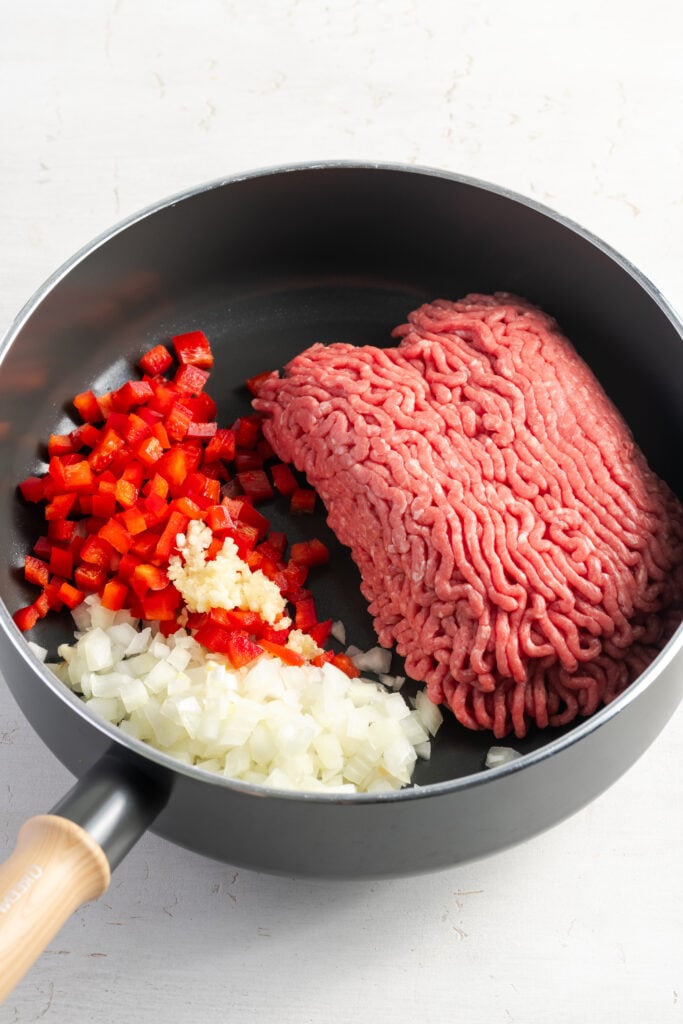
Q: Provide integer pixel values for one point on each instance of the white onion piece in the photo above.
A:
(500, 755)
(338, 631)
(292, 727)
(377, 659)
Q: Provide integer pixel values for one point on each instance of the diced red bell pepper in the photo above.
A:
(60, 506)
(149, 451)
(147, 577)
(70, 595)
(85, 436)
(117, 535)
(33, 488)
(43, 547)
(114, 594)
(320, 632)
(90, 578)
(36, 571)
(221, 446)
(161, 605)
(190, 378)
(277, 541)
(219, 520)
(285, 654)
(305, 615)
(61, 444)
(201, 431)
(157, 360)
(176, 523)
(61, 562)
(201, 406)
(255, 383)
(302, 501)
(130, 394)
(248, 430)
(245, 461)
(309, 552)
(88, 407)
(283, 478)
(322, 659)
(343, 662)
(134, 521)
(101, 505)
(96, 551)
(26, 617)
(125, 493)
(109, 445)
(255, 484)
(193, 349)
(61, 530)
(242, 649)
(178, 421)
(134, 429)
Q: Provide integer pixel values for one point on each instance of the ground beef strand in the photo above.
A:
(511, 539)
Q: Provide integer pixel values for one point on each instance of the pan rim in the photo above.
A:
(136, 747)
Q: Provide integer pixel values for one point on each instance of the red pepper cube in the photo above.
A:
(247, 460)
(127, 566)
(88, 407)
(134, 430)
(114, 595)
(71, 596)
(130, 394)
(305, 616)
(203, 489)
(109, 445)
(61, 562)
(191, 379)
(343, 662)
(178, 421)
(159, 431)
(36, 571)
(125, 493)
(161, 605)
(134, 521)
(149, 451)
(96, 551)
(322, 659)
(302, 501)
(147, 577)
(157, 360)
(26, 618)
(188, 507)
(213, 636)
(221, 446)
(60, 444)
(134, 473)
(242, 649)
(167, 543)
(201, 406)
(102, 505)
(193, 349)
(321, 632)
(85, 436)
(43, 547)
(277, 541)
(201, 431)
(60, 531)
(255, 383)
(219, 520)
(90, 578)
(283, 478)
(55, 603)
(248, 431)
(144, 543)
(33, 488)
(117, 535)
(60, 507)
(255, 484)
(155, 509)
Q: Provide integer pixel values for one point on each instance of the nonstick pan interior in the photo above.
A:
(269, 264)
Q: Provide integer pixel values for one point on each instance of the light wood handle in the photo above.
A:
(55, 867)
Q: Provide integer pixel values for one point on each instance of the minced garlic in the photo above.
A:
(303, 644)
(225, 582)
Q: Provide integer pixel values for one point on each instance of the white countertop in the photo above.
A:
(108, 106)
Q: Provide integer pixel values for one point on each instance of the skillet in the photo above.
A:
(266, 264)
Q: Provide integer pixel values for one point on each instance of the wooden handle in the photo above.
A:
(56, 866)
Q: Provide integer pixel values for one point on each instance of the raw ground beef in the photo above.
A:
(511, 539)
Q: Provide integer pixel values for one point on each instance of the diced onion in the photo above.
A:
(500, 755)
(291, 727)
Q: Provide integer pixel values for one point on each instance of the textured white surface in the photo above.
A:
(108, 106)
